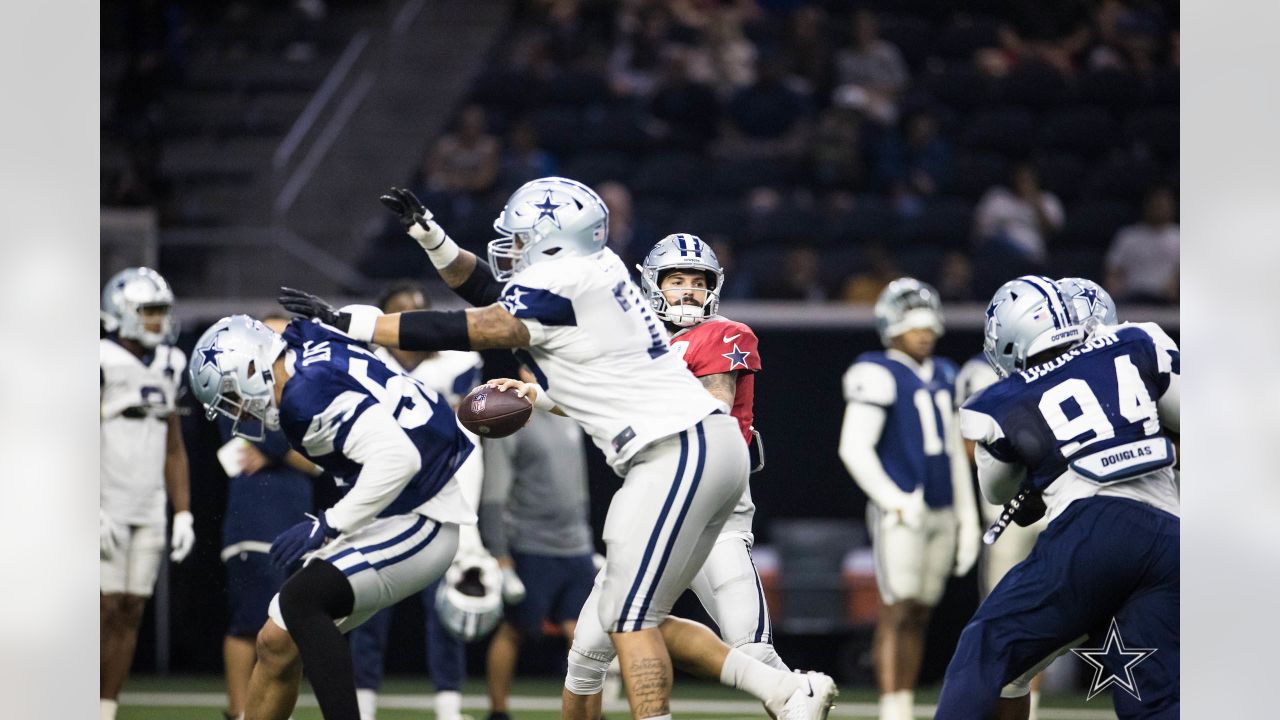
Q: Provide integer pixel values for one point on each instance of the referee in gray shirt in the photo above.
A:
(534, 520)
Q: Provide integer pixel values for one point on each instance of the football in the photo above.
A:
(488, 412)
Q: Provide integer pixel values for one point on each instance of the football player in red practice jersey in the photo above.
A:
(683, 279)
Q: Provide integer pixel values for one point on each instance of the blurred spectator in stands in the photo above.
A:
(1015, 220)
(912, 165)
(1142, 264)
(523, 160)
(880, 268)
(724, 59)
(739, 281)
(636, 62)
(837, 158)
(1126, 36)
(808, 52)
(761, 204)
(870, 74)
(685, 113)
(799, 279)
(625, 237)
(464, 161)
(768, 119)
(955, 278)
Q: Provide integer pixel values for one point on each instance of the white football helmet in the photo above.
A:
(231, 374)
(469, 601)
(681, 251)
(127, 294)
(906, 304)
(545, 219)
(1027, 316)
(1093, 305)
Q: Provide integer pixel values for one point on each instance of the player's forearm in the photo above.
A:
(962, 497)
(1000, 481)
(858, 437)
(433, 330)
(297, 461)
(472, 280)
(388, 463)
(176, 474)
(722, 386)
(493, 531)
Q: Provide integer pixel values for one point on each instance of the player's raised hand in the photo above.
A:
(308, 305)
(415, 217)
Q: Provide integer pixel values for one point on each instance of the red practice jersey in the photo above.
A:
(719, 345)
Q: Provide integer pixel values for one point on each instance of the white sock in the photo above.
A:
(448, 705)
(1035, 705)
(906, 700)
(658, 717)
(367, 700)
(889, 707)
(107, 709)
(767, 684)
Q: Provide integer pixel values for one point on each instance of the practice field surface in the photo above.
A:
(202, 698)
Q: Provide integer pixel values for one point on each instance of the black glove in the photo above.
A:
(406, 206)
(308, 305)
(1031, 510)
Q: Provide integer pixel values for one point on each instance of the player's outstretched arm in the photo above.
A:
(464, 273)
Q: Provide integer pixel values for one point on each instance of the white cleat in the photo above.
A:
(813, 700)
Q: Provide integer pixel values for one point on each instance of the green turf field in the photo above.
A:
(201, 698)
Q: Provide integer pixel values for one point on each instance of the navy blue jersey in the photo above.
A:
(335, 380)
(263, 505)
(1093, 408)
(913, 447)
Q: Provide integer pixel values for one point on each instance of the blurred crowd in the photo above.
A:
(827, 147)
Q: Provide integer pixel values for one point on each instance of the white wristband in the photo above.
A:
(364, 319)
(439, 246)
(542, 402)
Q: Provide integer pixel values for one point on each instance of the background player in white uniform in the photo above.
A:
(683, 279)
(1016, 541)
(143, 459)
(900, 443)
(452, 375)
(590, 337)
(395, 446)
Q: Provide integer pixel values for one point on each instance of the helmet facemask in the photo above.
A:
(683, 314)
(251, 416)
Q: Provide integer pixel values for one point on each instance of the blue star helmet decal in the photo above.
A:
(547, 209)
(737, 357)
(1090, 296)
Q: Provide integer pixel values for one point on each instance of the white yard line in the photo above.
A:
(527, 702)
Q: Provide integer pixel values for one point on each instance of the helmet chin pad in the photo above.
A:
(682, 315)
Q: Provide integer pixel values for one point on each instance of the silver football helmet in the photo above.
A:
(469, 601)
(906, 304)
(547, 218)
(1093, 305)
(127, 294)
(681, 251)
(1027, 316)
(231, 374)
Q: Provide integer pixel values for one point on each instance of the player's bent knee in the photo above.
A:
(586, 674)
(765, 653)
(275, 648)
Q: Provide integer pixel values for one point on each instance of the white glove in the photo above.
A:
(968, 541)
(184, 536)
(512, 588)
(598, 561)
(110, 535)
(908, 509)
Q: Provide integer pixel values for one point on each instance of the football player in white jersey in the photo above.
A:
(600, 355)
(901, 444)
(452, 375)
(1015, 541)
(143, 459)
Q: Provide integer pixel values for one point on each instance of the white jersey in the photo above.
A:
(974, 375)
(137, 399)
(602, 356)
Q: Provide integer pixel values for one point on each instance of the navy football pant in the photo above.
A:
(1103, 558)
(446, 655)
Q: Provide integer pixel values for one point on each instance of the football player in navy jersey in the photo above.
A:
(1078, 428)
(394, 444)
(900, 443)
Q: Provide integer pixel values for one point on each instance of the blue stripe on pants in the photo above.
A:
(675, 532)
(657, 530)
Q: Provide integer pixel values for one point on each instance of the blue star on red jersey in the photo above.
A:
(737, 358)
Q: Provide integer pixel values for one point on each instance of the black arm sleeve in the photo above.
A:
(480, 289)
(434, 330)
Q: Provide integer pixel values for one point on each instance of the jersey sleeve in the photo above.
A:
(724, 347)
(871, 384)
(330, 420)
(974, 376)
(540, 300)
(1168, 359)
(978, 425)
(468, 378)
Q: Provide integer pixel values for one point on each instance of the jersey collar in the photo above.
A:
(923, 370)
